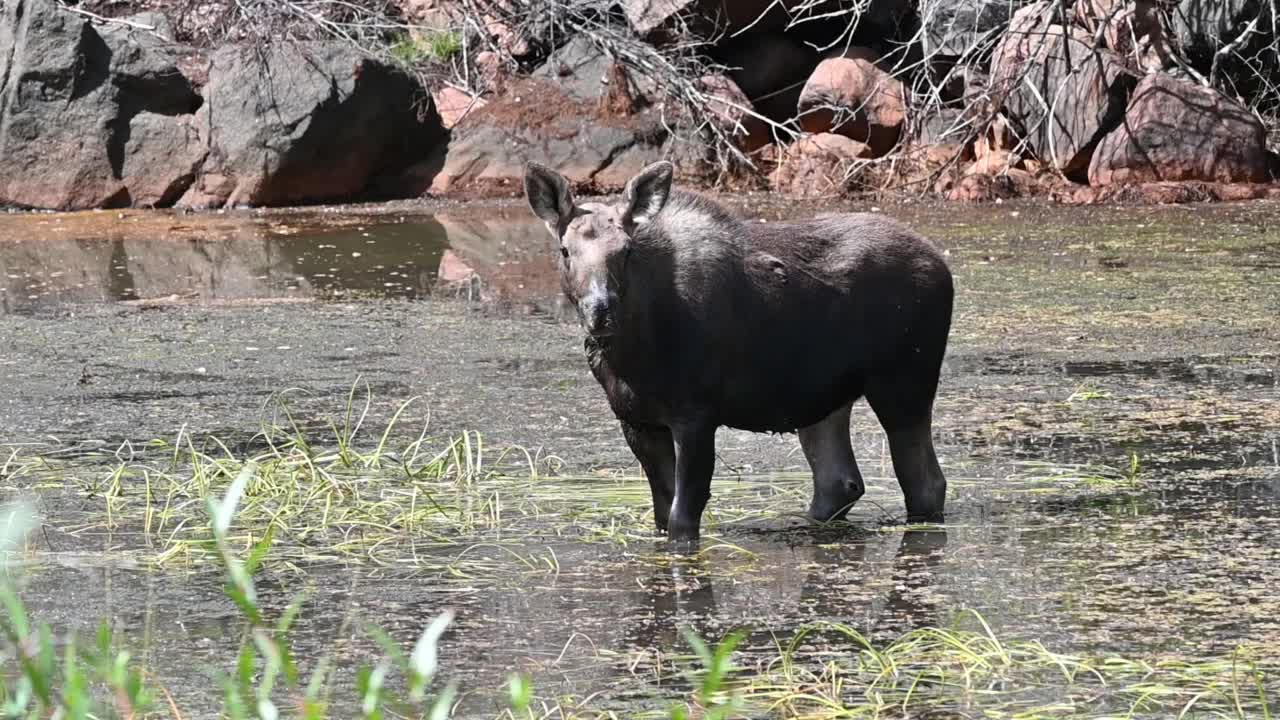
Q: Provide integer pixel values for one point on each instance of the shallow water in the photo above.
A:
(1141, 340)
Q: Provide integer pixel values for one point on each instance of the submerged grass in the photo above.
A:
(937, 672)
(345, 497)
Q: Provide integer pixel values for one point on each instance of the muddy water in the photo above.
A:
(1142, 340)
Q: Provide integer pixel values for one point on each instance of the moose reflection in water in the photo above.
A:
(696, 320)
(683, 592)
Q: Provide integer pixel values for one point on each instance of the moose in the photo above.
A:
(696, 320)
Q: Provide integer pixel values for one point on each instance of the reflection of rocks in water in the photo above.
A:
(514, 258)
(58, 271)
(235, 268)
(212, 258)
(506, 261)
(33, 274)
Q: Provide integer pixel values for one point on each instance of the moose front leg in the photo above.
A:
(695, 446)
(652, 446)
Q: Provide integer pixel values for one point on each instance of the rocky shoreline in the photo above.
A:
(1095, 101)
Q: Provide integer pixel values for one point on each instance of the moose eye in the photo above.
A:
(564, 252)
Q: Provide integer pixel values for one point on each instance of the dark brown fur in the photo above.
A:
(698, 320)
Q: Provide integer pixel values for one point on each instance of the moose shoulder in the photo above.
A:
(697, 320)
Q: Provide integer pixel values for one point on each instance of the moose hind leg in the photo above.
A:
(656, 452)
(903, 402)
(837, 484)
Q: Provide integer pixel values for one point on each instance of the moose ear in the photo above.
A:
(647, 193)
(549, 195)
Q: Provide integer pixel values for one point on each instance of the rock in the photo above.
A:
(579, 68)
(90, 118)
(536, 121)
(493, 71)
(1163, 193)
(732, 113)
(621, 96)
(771, 70)
(307, 122)
(857, 99)
(1041, 63)
(943, 125)
(817, 166)
(434, 14)
(1202, 26)
(1131, 28)
(512, 42)
(454, 104)
(1178, 130)
(992, 188)
(994, 162)
(916, 166)
(956, 27)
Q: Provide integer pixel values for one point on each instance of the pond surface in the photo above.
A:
(1109, 422)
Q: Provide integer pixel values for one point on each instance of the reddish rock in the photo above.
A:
(1128, 27)
(1164, 193)
(732, 112)
(535, 120)
(1178, 130)
(992, 188)
(994, 162)
(435, 14)
(817, 166)
(854, 98)
(454, 104)
(1039, 63)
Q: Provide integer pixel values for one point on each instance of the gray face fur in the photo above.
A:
(595, 238)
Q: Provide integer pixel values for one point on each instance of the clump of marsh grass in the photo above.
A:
(953, 672)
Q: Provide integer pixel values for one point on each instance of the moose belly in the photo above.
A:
(785, 404)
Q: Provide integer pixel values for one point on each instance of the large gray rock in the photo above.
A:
(536, 121)
(956, 27)
(1060, 93)
(579, 68)
(1180, 130)
(110, 116)
(90, 118)
(307, 122)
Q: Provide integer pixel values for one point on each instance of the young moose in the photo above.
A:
(697, 320)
